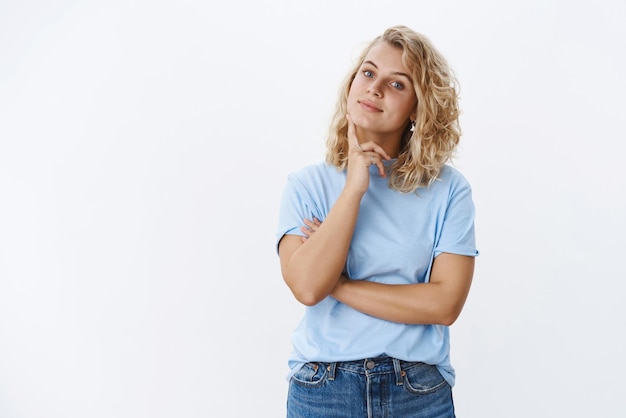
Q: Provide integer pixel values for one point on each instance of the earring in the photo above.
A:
(412, 126)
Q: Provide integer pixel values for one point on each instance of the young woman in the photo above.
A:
(378, 242)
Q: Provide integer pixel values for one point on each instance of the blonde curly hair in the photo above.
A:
(433, 142)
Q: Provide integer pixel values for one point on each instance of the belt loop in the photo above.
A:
(399, 372)
(331, 370)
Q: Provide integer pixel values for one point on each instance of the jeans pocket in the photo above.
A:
(310, 375)
(421, 379)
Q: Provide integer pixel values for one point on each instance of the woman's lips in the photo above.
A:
(369, 106)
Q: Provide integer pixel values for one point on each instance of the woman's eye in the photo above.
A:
(368, 73)
(397, 85)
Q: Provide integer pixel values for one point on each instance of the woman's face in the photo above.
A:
(382, 99)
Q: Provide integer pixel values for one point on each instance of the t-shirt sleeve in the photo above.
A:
(295, 206)
(457, 229)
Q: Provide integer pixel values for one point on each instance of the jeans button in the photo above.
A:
(370, 364)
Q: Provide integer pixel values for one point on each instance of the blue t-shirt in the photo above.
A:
(395, 239)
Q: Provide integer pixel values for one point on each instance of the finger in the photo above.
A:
(379, 150)
(377, 161)
(312, 225)
(381, 167)
(353, 141)
(306, 231)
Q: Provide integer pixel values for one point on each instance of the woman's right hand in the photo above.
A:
(360, 158)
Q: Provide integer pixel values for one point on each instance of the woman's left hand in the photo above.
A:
(309, 227)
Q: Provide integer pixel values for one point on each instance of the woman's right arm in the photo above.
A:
(312, 268)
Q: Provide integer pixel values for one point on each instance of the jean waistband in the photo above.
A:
(371, 366)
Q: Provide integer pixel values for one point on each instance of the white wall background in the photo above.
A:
(143, 149)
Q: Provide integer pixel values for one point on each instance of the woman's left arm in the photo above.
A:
(439, 301)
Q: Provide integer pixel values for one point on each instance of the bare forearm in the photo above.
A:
(439, 301)
(408, 304)
(315, 266)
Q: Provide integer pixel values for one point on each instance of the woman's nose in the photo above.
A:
(374, 88)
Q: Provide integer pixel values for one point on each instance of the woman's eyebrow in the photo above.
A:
(371, 63)
(394, 73)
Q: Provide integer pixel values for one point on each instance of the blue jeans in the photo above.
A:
(380, 387)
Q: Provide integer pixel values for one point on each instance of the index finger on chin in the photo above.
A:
(353, 142)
